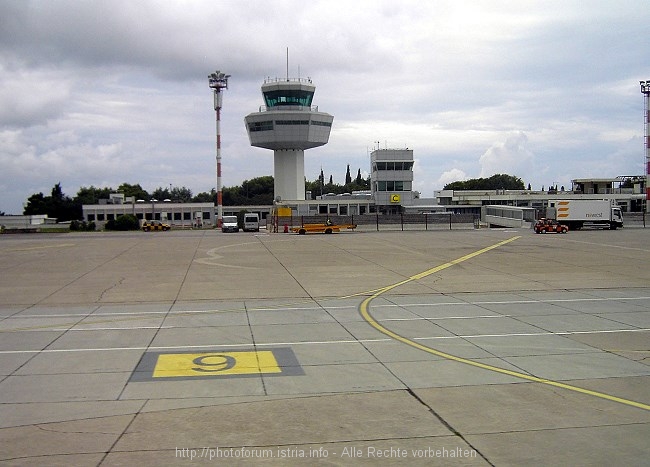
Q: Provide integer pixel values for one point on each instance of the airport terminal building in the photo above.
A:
(391, 193)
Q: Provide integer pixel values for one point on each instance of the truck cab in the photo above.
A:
(617, 218)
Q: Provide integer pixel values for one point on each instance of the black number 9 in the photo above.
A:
(219, 362)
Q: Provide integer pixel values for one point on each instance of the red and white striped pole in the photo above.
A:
(217, 96)
(645, 89)
(218, 81)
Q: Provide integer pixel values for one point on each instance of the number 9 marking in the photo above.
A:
(221, 363)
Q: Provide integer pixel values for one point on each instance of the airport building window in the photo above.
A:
(393, 165)
(390, 186)
(260, 126)
(206, 215)
(292, 122)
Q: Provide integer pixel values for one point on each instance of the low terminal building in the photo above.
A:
(626, 191)
(391, 193)
(26, 222)
(177, 214)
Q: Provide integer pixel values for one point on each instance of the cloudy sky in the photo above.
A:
(104, 92)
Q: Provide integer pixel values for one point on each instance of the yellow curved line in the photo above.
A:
(365, 313)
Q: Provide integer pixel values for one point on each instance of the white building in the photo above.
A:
(391, 175)
(176, 214)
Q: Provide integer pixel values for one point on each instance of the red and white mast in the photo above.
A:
(218, 81)
(645, 89)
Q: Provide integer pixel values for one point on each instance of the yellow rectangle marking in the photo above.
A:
(216, 364)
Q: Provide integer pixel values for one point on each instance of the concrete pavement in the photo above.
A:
(473, 347)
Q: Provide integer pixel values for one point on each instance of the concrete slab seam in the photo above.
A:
(364, 309)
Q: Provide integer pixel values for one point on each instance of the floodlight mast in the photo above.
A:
(218, 81)
(645, 89)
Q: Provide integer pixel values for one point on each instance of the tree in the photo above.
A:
(182, 194)
(57, 205)
(206, 197)
(133, 190)
(161, 193)
(254, 191)
(123, 222)
(36, 204)
(92, 195)
(358, 180)
(348, 177)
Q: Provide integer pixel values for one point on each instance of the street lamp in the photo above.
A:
(218, 81)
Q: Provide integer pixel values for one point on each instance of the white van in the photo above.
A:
(229, 224)
(251, 222)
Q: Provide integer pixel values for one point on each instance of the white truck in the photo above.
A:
(583, 212)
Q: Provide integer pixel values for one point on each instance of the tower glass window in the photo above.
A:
(288, 97)
(393, 165)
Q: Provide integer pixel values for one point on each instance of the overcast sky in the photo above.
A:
(104, 92)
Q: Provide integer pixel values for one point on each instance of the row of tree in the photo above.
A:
(495, 182)
(257, 191)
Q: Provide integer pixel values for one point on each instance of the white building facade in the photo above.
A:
(391, 175)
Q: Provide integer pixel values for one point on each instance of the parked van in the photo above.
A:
(251, 222)
(229, 224)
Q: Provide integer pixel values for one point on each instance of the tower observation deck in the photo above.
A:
(288, 124)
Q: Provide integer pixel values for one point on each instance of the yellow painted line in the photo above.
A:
(365, 312)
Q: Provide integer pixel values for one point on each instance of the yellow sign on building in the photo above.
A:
(394, 198)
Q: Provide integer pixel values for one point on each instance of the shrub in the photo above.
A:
(123, 222)
(82, 226)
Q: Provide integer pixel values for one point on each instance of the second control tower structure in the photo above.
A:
(288, 124)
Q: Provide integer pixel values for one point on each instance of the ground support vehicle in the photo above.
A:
(229, 224)
(549, 225)
(579, 213)
(149, 226)
(251, 222)
(322, 228)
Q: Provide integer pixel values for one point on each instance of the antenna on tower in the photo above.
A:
(287, 63)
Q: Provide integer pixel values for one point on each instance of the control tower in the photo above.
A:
(288, 124)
